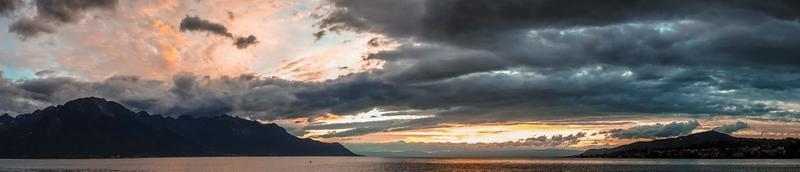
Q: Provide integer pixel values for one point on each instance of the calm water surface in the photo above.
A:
(347, 164)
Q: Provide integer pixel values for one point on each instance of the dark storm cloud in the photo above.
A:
(581, 91)
(655, 131)
(730, 128)
(195, 23)
(449, 19)
(676, 43)
(546, 33)
(52, 13)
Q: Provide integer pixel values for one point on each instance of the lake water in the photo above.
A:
(347, 164)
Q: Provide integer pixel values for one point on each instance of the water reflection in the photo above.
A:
(295, 164)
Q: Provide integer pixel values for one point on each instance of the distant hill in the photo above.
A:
(97, 128)
(709, 144)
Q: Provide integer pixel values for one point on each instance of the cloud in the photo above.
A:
(457, 19)
(43, 73)
(195, 23)
(475, 36)
(7, 7)
(244, 42)
(70, 11)
(52, 13)
(13, 99)
(359, 128)
(657, 130)
(187, 94)
(669, 44)
(554, 141)
(730, 128)
(318, 35)
(27, 27)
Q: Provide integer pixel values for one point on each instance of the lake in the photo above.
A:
(346, 164)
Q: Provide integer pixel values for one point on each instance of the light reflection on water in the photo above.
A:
(345, 164)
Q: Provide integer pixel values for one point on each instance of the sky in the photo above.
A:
(427, 76)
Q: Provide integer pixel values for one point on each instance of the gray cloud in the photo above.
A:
(7, 7)
(13, 100)
(195, 23)
(730, 128)
(460, 19)
(42, 73)
(52, 13)
(479, 36)
(360, 128)
(244, 42)
(655, 131)
(673, 43)
(318, 35)
(186, 93)
(27, 27)
(554, 141)
(70, 11)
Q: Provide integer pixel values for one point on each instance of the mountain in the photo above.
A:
(709, 144)
(97, 128)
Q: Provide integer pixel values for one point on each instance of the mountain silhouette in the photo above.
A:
(96, 128)
(708, 144)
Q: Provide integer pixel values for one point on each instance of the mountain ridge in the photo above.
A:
(93, 127)
(708, 144)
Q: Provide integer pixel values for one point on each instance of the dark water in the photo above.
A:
(347, 164)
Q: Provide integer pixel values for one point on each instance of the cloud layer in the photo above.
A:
(533, 59)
